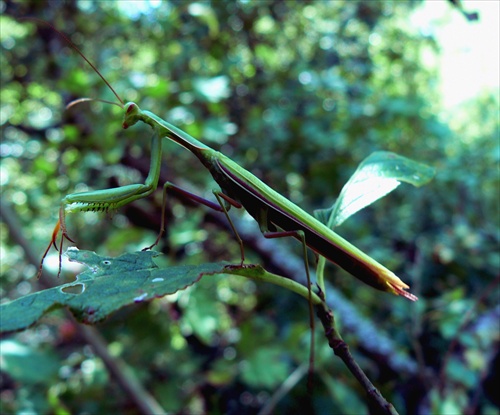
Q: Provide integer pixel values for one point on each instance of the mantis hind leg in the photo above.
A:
(224, 208)
(301, 236)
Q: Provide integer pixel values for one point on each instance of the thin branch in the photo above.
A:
(284, 389)
(341, 349)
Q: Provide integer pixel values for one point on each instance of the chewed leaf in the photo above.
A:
(108, 285)
(377, 175)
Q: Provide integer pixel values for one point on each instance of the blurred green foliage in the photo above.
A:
(298, 93)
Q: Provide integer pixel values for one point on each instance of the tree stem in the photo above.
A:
(341, 349)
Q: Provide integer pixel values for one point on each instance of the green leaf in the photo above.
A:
(27, 365)
(377, 175)
(265, 367)
(109, 284)
(203, 314)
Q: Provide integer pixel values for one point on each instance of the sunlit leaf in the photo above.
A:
(377, 175)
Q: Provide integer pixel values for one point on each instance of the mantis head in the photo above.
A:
(132, 114)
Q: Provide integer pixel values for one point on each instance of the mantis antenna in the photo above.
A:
(80, 100)
(72, 45)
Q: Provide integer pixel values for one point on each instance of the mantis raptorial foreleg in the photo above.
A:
(105, 200)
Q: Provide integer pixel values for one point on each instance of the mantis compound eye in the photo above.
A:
(130, 107)
(131, 111)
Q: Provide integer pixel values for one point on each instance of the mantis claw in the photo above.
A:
(148, 248)
(55, 232)
(53, 242)
(68, 238)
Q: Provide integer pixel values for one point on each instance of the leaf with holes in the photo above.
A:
(108, 285)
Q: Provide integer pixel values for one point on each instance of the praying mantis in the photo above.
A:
(276, 215)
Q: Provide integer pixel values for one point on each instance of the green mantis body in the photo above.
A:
(276, 215)
(270, 209)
